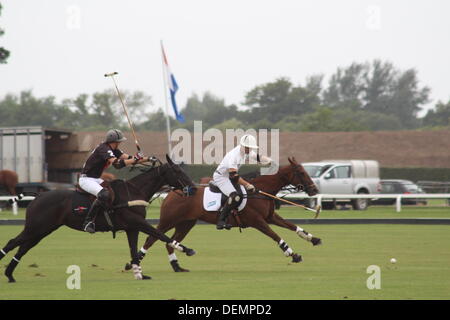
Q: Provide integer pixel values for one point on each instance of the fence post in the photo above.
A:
(398, 203)
(14, 208)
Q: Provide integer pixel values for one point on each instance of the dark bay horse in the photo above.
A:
(53, 209)
(182, 214)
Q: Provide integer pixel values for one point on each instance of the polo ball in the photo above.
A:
(393, 260)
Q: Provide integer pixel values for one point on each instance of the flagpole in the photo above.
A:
(166, 100)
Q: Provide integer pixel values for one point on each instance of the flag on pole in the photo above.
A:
(173, 86)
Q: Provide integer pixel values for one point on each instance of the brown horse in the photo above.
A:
(9, 179)
(183, 213)
(205, 180)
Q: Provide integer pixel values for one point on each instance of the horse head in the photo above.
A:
(300, 178)
(177, 178)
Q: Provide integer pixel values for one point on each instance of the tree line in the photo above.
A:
(359, 97)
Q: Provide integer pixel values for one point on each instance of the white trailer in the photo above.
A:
(25, 150)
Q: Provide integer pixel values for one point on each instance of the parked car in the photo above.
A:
(345, 177)
(399, 187)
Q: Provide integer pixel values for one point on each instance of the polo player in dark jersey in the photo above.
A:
(105, 154)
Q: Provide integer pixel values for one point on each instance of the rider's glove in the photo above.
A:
(250, 188)
(138, 156)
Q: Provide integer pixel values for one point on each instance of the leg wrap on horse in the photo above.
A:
(304, 234)
(287, 251)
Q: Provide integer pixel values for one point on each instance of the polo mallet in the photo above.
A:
(316, 211)
(112, 74)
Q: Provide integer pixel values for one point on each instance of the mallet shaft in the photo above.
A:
(112, 74)
(317, 211)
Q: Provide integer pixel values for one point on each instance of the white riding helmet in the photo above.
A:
(248, 141)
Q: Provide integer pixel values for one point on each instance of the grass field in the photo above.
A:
(229, 265)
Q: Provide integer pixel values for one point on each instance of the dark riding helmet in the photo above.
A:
(114, 135)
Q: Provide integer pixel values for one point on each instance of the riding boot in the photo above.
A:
(88, 225)
(222, 221)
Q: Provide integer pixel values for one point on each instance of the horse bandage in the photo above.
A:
(304, 234)
(287, 251)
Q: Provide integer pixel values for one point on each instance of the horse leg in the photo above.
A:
(23, 249)
(279, 221)
(143, 226)
(148, 243)
(181, 230)
(262, 226)
(132, 236)
(12, 244)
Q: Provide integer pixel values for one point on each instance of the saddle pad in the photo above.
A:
(80, 203)
(212, 200)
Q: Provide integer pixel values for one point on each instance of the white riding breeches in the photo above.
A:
(223, 183)
(91, 185)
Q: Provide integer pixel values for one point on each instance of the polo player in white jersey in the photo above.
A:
(227, 171)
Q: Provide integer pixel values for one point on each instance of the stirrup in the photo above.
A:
(223, 224)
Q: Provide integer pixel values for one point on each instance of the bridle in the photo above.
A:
(185, 188)
(299, 187)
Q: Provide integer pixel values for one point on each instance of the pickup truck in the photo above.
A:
(345, 177)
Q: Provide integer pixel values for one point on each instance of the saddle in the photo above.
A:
(82, 202)
(104, 184)
(211, 201)
(214, 199)
(215, 189)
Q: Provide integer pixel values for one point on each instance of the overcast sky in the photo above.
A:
(63, 48)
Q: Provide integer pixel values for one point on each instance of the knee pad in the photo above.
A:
(103, 196)
(234, 199)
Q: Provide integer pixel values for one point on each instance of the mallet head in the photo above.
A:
(318, 210)
(111, 74)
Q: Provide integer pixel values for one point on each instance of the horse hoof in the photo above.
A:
(128, 266)
(11, 280)
(190, 252)
(296, 258)
(144, 277)
(176, 267)
(316, 241)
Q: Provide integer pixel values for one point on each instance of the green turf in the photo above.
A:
(230, 265)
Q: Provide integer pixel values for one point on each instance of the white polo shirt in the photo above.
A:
(233, 160)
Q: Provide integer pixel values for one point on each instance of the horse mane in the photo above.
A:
(271, 182)
(149, 172)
